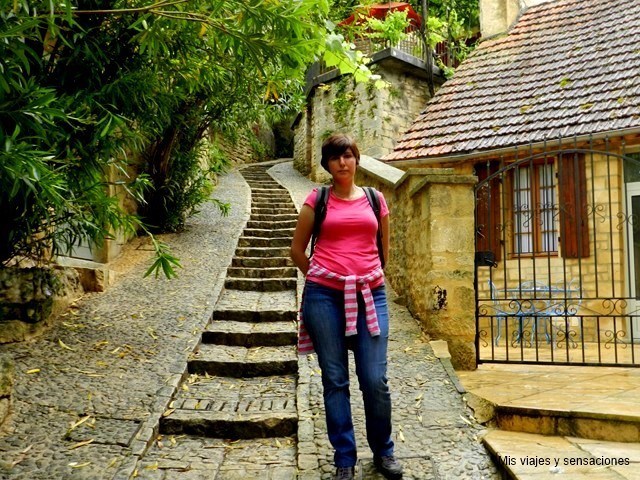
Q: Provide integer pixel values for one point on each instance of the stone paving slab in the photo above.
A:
(187, 458)
(281, 224)
(264, 242)
(248, 334)
(203, 387)
(41, 450)
(260, 284)
(527, 456)
(253, 262)
(107, 431)
(262, 272)
(281, 217)
(234, 361)
(274, 232)
(236, 300)
(248, 421)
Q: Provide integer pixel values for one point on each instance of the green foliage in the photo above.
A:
(391, 29)
(58, 140)
(165, 262)
(344, 102)
(467, 13)
(188, 186)
(260, 150)
(87, 87)
(455, 22)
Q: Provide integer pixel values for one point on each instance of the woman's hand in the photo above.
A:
(301, 237)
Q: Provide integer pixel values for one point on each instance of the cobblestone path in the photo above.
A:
(92, 393)
(235, 414)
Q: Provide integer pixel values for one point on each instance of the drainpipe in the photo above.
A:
(425, 39)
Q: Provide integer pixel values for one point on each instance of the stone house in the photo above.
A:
(546, 114)
(374, 117)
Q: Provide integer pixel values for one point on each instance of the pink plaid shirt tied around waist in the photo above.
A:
(351, 282)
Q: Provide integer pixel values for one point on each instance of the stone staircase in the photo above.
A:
(242, 378)
(558, 420)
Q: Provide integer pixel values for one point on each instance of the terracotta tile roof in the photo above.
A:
(568, 67)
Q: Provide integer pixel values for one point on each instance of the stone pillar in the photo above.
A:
(432, 249)
(443, 235)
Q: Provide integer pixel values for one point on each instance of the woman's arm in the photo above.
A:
(301, 238)
(384, 226)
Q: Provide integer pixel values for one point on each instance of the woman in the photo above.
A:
(346, 252)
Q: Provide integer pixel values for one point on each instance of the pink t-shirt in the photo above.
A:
(347, 241)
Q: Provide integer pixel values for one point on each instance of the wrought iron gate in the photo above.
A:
(558, 257)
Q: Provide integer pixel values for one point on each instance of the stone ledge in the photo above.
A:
(94, 276)
(7, 372)
(31, 297)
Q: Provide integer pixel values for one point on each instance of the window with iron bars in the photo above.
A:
(534, 209)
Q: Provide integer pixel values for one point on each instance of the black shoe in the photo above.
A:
(389, 467)
(344, 473)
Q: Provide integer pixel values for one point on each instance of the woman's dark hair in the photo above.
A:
(336, 145)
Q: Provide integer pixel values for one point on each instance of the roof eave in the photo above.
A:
(498, 152)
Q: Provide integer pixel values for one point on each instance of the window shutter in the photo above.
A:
(574, 222)
(488, 231)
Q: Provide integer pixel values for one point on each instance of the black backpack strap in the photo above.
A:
(374, 201)
(320, 211)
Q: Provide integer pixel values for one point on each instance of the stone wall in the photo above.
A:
(7, 371)
(302, 140)
(248, 147)
(31, 297)
(375, 118)
(432, 249)
(111, 247)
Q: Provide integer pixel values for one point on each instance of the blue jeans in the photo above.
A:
(323, 312)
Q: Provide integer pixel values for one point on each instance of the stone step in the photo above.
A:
(272, 225)
(224, 407)
(175, 458)
(274, 232)
(264, 241)
(269, 252)
(261, 284)
(273, 206)
(280, 195)
(547, 420)
(263, 184)
(529, 456)
(248, 334)
(255, 316)
(231, 361)
(265, 187)
(274, 272)
(270, 192)
(262, 190)
(278, 210)
(273, 217)
(262, 180)
(261, 262)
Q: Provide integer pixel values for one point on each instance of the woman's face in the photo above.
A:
(343, 167)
